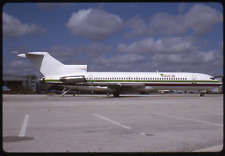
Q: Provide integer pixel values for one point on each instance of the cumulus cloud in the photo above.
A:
(202, 18)
(125, 62)
(199, 18)
(196, 61)
(164, 45)
(96, 57)
(165, 23)
(12, 27)
(186, 58)
(83, 54)
(103, 57)
(138, 25)
(94, 24)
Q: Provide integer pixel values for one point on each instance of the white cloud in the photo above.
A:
(196, 61)
(94, 24)
(202, 18)
(138, 25)
(199, 18)
(83, 54)
(12, 27)
(164, 45)
(165, 23)
(122, 62)
(195, 57)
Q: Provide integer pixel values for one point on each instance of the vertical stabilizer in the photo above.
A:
(49, 66)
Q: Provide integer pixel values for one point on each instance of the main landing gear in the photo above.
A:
(202, 93)
(116, 94)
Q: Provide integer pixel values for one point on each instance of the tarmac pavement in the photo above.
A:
(100, 123)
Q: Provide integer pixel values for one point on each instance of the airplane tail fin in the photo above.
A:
(49, 66)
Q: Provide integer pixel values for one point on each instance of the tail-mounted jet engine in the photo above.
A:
(73, 79)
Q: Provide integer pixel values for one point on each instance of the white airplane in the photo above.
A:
(77, 77)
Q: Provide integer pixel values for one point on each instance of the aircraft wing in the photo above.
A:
(89, 88)
(127, 85)
(115, 87)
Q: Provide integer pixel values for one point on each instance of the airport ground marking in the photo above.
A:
(114, 122)
(109, 120)
(194, 120)
(24, 126)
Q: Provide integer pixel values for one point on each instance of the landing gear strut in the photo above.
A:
(65, 91)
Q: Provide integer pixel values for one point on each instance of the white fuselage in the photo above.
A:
(147, 81)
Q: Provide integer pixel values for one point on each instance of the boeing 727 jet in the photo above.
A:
(77, 77)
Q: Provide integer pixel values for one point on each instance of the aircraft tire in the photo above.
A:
(202, 94)
(116, 94)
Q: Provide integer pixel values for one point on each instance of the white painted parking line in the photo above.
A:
(114, 122)
(24, 126)
(194, 120)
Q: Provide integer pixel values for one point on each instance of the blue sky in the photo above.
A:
(140, 37)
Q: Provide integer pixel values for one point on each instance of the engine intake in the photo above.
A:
(73, 79)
